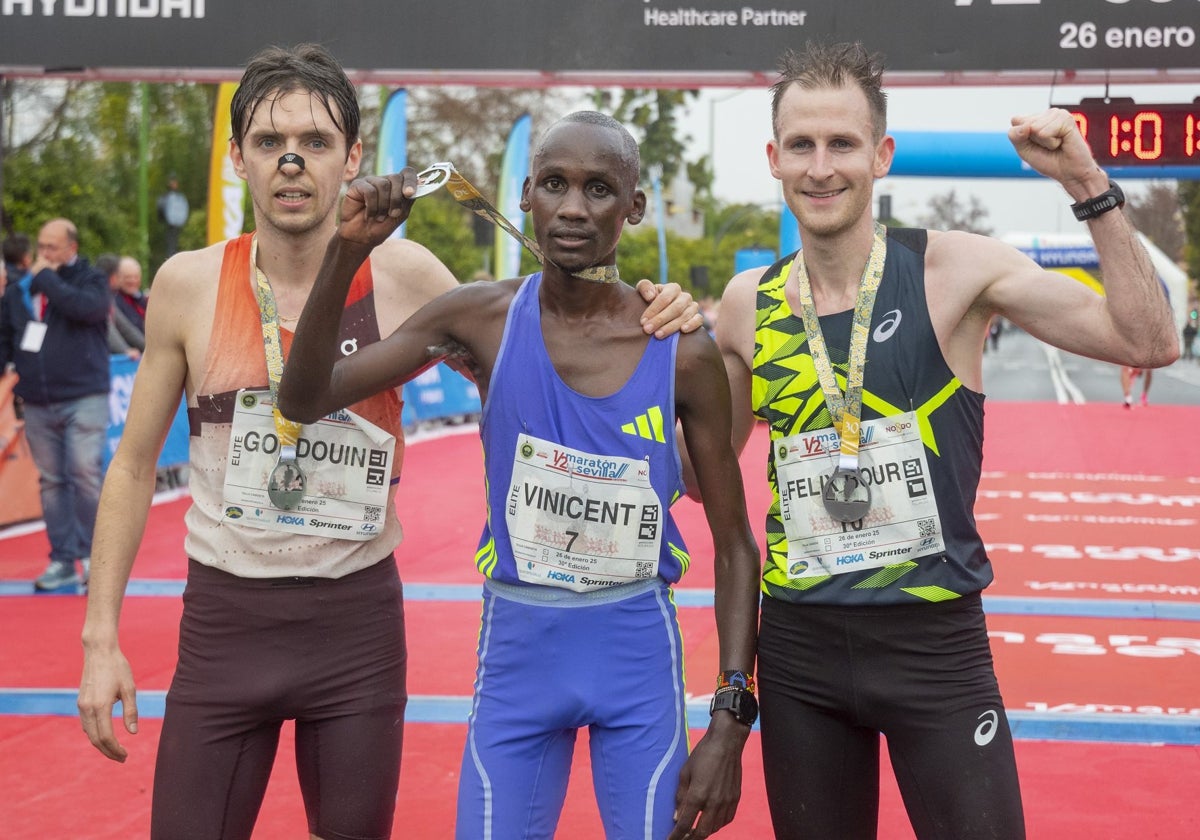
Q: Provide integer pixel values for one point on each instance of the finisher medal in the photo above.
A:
(846, 496)
(286, 485)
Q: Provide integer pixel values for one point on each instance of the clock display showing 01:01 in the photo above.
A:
(1122, 133)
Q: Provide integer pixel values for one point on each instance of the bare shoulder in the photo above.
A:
(184, 290)
(700, 377)
(695, 348)
(411, 268)
(970, 258)
(469, 305)
(189, 272)
(743, 285)
(734, 328)
(407, 276)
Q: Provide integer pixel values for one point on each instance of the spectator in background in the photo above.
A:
(173, 212)
(1189, 338)
(18, 255)
(53, 324)
(128, 295)
(123, 337)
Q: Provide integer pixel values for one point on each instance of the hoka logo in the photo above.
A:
(648, 425)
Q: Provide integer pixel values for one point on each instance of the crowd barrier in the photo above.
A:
(437, 394)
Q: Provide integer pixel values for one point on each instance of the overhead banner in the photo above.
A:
(697, 38)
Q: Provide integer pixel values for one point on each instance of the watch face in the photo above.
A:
(742, 704)
(747, 711)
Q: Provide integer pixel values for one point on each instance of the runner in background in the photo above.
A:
(1129, 375)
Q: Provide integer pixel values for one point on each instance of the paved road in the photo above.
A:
(1025, 369)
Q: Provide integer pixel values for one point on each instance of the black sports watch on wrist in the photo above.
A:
(737, 700)
(1090, 208)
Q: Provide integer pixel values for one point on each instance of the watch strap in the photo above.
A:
(1090, 208)
(736, 700)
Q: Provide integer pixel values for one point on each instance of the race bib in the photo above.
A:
(581, 521)
(33, 336)
(902, 522)
(347, 462)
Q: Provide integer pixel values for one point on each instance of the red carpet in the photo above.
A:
(55, 785)
(1077, 502)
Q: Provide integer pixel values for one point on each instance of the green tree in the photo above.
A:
(1156, 211)
(444, 227)
(652, 118)
(1189, 200)
(469, 126)
(946, 212)
(77, 154)
(741, 226)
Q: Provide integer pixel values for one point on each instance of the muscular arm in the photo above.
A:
(314, 383)
(1131, 323)
(315, 380)
(124, 506)
(710, 784)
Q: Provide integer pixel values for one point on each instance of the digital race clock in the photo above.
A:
(1123, 133)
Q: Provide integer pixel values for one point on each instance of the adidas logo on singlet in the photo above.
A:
(648, 425)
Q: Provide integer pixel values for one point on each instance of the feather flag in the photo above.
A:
(226, 191)
(513, 172)
(392, 153)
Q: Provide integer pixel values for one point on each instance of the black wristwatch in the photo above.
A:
(737, 700)
(1090, 208)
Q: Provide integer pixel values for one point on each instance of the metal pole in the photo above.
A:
(144, 175)
(3, 139)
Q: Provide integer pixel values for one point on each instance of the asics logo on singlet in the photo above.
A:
(986, 731)
(887, 326)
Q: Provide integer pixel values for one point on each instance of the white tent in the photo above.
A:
(1076, 250)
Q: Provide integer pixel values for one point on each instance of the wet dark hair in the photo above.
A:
(306, 67)
(833, 65)
(630, 153)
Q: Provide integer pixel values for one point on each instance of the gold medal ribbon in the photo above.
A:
(465, 193)
(845, 410)
(288, 431)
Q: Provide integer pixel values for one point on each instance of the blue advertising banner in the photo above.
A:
(175, 447)
(747, 258)
(789, 231)
(438, 393)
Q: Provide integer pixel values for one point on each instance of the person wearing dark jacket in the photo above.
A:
(123, 337)
(53, 327)
(18, 256)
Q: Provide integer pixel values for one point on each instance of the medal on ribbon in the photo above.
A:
(847, 498)
(287, 482)
(465, 193)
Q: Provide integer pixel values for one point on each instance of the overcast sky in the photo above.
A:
(742, 120)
